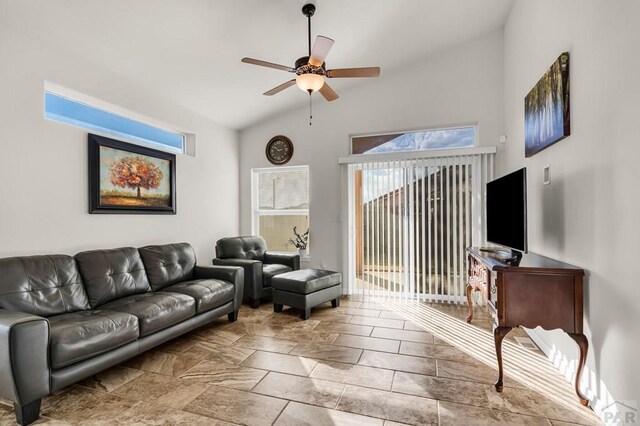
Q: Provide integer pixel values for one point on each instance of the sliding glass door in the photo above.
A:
(411, 222)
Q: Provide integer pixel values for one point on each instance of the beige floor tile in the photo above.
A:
(377, 322)
(221, 353)
(255, 329)
(329, 353)
(111, 379)
(301, 389)
(150, 414)
(436, 351)
(269, 344)
(461, 414)
(71, 406)
(237, 406)
(349, 302)
(164, 390)
(290, 320)
(297, 414)
(375, 306)
(165, 363)
(408, 363)
(440, 388)
(220, 337)
(290, 364)
(392, 315)
(353, 374)
(371, 343)
(397, 407)
(341, 328)
(308, 336)
(410, 325)
(529, 402)
(373, 313)
(479, 372)
(178, 345)
(222, 374)
(325, 315)
(408, 335)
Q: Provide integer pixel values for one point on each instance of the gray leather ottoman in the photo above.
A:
(305, 289)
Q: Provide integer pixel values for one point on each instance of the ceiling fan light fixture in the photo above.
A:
(310, 82)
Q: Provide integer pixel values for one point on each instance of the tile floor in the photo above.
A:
(367, 362)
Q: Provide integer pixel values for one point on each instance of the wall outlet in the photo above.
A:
(503, 139)
(546, 175)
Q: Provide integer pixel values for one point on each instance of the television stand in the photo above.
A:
(537, 291)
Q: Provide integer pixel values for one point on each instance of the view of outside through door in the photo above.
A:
(413, 219)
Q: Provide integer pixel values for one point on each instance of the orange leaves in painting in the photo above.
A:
(135, 173)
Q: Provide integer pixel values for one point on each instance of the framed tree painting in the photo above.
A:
(546, 108)
(127, 178)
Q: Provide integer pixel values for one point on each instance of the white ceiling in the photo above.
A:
(190, 50)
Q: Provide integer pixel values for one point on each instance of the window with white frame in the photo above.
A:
(64, 106)
(280, 204)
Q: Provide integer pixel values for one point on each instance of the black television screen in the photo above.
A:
(507, 210)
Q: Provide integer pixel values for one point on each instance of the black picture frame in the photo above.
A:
(96, 204)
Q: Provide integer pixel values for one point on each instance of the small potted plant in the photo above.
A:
(300, 241)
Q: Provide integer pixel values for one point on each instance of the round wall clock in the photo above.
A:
(279, 150)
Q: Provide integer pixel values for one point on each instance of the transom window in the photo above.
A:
(280, 203)
(64, 109)
(456, 137)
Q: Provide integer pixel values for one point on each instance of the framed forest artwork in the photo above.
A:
(127, 178)
(546, 108)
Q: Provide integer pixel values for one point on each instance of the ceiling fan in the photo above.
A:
(311, 70)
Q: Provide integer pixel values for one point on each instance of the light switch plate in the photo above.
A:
(546, 175)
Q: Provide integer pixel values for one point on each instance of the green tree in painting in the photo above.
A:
(135, 173)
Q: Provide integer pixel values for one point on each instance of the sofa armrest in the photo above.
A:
(291, 260)
(232, 274)
(252, 274)
(24, 357)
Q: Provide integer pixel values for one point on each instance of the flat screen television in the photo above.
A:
(507, 212)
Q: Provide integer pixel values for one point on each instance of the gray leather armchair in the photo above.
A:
(259, 265)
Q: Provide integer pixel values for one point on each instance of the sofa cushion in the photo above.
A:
(168, 264)
(41, 285)
(252, 248)
(208, 293)
(112, 274)
(81, 335)
(155, 311)
(271, 270)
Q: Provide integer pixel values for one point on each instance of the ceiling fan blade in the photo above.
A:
(280, 88)
(320, 50)
(354, 72)
(267, 64)
(328, 92)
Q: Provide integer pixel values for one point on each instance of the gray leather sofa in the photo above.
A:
(63, 318)
(259, 265)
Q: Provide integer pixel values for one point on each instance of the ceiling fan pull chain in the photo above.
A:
(310, 109)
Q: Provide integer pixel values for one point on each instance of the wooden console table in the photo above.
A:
(537, 291)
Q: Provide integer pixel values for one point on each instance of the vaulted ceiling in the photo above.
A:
(189, 51)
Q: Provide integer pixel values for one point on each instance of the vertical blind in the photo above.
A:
(412, 220)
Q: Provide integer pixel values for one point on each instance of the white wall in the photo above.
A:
(43, 164)
(588, 215)
(457, 86)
